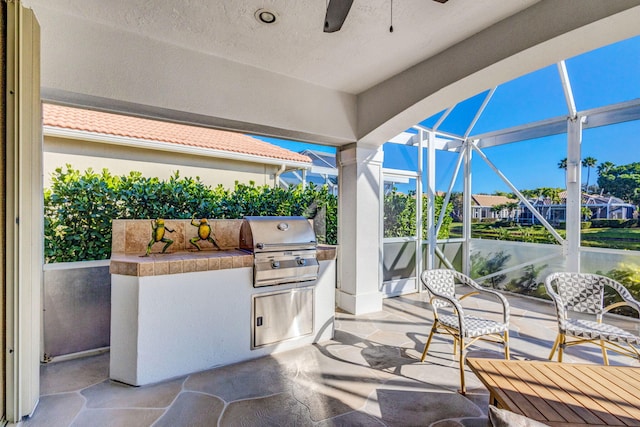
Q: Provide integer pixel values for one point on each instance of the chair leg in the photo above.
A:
(506, 345)
(463, 388)
(426, 346)
(605, 359)
(561, 342)
(555, 347)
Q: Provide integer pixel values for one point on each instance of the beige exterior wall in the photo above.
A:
(119, 160)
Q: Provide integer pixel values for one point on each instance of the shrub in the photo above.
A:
(79, 207)
(614, 223)
(504, 223)
(562, 225)
(400, 215)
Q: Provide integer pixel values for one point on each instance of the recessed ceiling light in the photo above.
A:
(265, 16)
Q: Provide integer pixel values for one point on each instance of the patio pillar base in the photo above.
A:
(359, 304)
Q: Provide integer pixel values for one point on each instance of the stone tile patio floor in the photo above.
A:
(369, 375)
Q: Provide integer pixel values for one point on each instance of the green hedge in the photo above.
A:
(614, 223)
(400, 215)
(562, 225)
(79, 207)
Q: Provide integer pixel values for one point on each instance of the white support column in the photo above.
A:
(466, 209)
(574, 194)
(431, 192)
(419, 209)
(360, 230)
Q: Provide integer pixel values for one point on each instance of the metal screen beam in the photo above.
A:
(574, 194)
(529, 206)
(449, 190)
(431, 191)
(597, 117)
(479, 112)
(566, 86)
(466, 209)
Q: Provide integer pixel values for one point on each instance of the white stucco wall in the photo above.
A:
(121, 160)
(127, 72)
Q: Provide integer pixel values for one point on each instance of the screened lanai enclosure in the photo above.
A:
(537, 175)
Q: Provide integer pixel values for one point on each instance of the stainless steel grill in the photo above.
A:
(284, 249)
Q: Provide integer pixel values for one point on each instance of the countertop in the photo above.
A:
(190, 261)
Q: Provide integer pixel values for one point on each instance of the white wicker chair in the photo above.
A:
(441, 285)
(584, 293)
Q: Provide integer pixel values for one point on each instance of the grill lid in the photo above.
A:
(276, 233)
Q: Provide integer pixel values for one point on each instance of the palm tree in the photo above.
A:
(562, 164)
(552, 193)
(605, 167)
(512, 207)
(588, 162)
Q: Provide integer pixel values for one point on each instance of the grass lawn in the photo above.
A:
(612, 238)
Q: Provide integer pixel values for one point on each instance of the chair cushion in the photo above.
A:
(504, 418)
(474, 326)
(599, 331)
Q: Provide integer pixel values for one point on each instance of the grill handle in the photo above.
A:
(284, 246)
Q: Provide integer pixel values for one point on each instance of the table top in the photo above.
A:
(563, 394)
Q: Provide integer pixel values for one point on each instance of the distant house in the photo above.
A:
(608, 207)
(483, 207)
(85, 138)
(601, 207)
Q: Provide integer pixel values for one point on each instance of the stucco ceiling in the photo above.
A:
(212, 63)
(362, 54)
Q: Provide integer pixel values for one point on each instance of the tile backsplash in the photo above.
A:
(132, 236)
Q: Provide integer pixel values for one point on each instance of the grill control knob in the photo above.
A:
(275, 264)
(283, 226)
(301, 261)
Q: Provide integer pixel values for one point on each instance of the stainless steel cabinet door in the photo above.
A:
(281, 316)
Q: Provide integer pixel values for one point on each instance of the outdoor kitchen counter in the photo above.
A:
(182, 312)
(190, 261)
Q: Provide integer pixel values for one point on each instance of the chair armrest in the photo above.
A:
(627, 298)
(470, 294)
(456, 306)
(481, 290)
(635, 304)
(621, 304)
(503, 300)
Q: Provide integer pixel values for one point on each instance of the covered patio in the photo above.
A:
(220, 67)
(370, 374)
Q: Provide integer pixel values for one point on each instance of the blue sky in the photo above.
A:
(296, 146)
(601, 77)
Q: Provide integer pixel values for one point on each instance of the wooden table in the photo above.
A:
(563, 394)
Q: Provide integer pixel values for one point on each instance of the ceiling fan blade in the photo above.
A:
(337, 11)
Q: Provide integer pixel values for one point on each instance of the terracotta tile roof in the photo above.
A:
(172, 133)
(490, 200)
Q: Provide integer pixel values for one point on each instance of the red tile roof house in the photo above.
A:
(85, 138)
